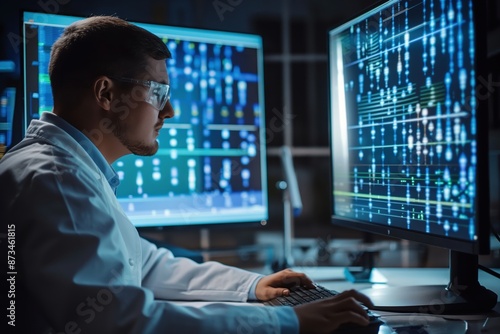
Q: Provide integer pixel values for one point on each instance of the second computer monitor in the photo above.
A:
(409, 134)
(409, 139)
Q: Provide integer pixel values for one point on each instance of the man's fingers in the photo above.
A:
(292, 278)
(352, 317)
(278, 292)
(330, 313)
(356, 295)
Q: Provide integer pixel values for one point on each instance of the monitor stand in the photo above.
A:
(463, 295)
(366, 273)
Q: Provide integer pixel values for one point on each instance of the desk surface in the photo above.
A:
(333, 278)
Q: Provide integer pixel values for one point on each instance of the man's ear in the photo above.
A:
(104, 90)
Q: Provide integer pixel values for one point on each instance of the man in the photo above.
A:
(82, 266)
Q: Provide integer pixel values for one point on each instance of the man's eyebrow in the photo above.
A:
(163, 81)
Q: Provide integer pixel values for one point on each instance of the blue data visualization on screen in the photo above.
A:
(7, 104)
(404, 116)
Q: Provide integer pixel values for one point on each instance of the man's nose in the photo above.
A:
(167, 111)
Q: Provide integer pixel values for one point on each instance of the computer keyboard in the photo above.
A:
(299, 295)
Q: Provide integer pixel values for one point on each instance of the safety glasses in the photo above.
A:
(158, 93)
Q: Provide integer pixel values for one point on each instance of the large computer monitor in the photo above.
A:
(409, 139)
(211, 164)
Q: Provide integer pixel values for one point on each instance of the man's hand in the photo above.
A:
(326, 315)
(277, 284)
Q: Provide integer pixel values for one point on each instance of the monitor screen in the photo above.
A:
(409, 133)
(7, 104)
(211, 164)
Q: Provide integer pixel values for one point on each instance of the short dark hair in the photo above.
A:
(99, 45)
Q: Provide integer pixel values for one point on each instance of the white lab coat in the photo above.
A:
(82, 267)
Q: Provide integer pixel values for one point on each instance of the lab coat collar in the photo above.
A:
(80, 141)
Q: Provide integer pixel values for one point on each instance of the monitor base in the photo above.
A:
(432, 299)
(364, 275)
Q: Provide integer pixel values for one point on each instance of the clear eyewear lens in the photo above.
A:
(158, 94)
